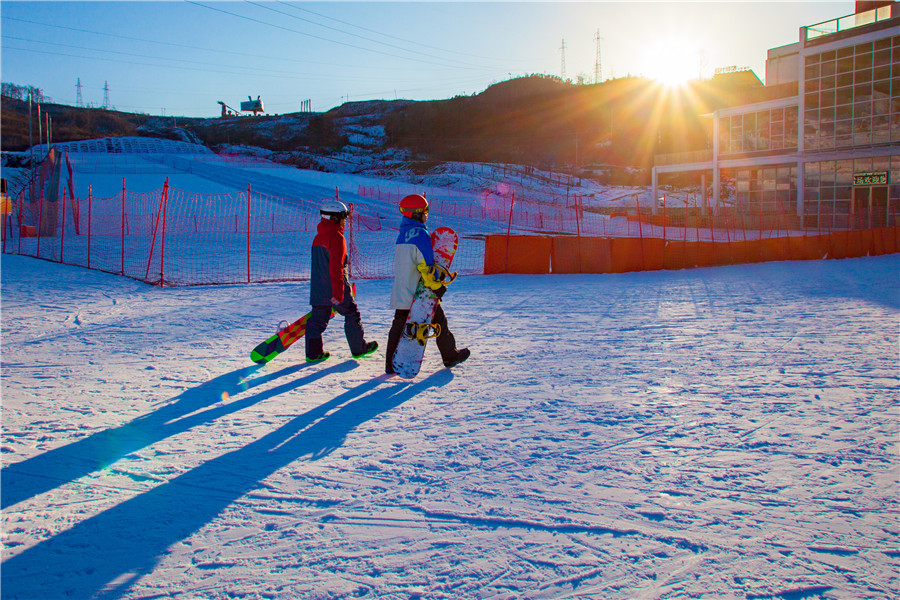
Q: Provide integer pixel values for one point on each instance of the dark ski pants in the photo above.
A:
(318, 322)
(446, 343)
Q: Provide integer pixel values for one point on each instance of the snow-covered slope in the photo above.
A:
(713, 433)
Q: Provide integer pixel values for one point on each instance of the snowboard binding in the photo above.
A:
(422, 332)
(443, 275)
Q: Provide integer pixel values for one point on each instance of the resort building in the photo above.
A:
(824, 145)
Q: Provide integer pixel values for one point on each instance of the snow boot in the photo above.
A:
(319, 358)
(370, 348)
(461, 356)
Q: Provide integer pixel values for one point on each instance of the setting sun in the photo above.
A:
(673, 62)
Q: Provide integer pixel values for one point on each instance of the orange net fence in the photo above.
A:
(174, 237)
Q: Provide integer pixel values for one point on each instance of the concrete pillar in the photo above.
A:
(715, 162)
(704, 195)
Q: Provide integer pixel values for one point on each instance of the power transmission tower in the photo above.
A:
(79, 102)
(106, 94)
(702, 61)
(597, 69)
(562, 67)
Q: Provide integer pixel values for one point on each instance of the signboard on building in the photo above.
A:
(870, 178)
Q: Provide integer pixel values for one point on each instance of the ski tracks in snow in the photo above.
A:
(717, 433)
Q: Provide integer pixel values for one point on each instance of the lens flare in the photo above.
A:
(672, 62)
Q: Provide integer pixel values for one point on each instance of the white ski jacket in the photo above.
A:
(413, 247)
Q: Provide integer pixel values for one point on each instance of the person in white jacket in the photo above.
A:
(414, 260)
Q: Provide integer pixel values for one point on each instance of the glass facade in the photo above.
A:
(766, 190)
(759, 131)
(852, 96)
(827, 158)
(832, 201)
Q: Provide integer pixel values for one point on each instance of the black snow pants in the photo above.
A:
(318, 322)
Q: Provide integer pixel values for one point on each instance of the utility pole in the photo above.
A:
(79, 102)
(562, 67)
(597, 70)
(106, 95)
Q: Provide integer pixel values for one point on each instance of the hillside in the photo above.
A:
(538, 120)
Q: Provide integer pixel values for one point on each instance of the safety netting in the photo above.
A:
(264, 233)
(174, 237)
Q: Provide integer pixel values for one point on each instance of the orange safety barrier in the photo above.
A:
(654, 253)
(525, 254)
(884, 240)
(773, 249)
(571, 254)
(566, 255)
(814, 247)
(627, 255)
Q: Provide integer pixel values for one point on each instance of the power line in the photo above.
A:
(185, 46)
(202, 65)
(416, 43)
(418, 52)
(318, 37)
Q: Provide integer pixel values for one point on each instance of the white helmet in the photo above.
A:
(334, 208)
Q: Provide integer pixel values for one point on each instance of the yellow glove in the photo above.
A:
(428, 276)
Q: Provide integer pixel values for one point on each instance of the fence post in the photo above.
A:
(62, 235)
(352, 247)
(637, 203)
(162, 244)
(512, 202)
(696, 218)
(248, 233)
(159, 212)
(90, 206)
(40, 221)
(123, 226)
(19, 211)
(577, 216)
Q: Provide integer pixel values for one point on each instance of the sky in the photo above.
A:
(180, 58)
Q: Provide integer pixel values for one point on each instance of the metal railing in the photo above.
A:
(868, 17)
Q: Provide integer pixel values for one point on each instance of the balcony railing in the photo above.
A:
(876, 15)
(680, 158)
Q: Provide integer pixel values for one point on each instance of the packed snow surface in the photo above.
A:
(712, 433)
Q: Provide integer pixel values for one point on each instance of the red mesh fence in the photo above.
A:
(173, 237)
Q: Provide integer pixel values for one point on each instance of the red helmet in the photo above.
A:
(414, 204)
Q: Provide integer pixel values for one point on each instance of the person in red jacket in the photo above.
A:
(329, 287)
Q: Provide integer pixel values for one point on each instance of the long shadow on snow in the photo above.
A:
(44, 472)
(104, 555)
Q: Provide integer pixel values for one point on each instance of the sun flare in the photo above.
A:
(673, 62)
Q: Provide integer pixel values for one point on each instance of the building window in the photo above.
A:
(758, 131)
(851, 96)
(766, 193)
(833, 202)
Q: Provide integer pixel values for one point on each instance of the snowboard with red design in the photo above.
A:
(418, 329)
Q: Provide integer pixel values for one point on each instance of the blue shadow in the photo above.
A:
(103, 556)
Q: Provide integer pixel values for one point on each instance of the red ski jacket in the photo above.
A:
(328, 269)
